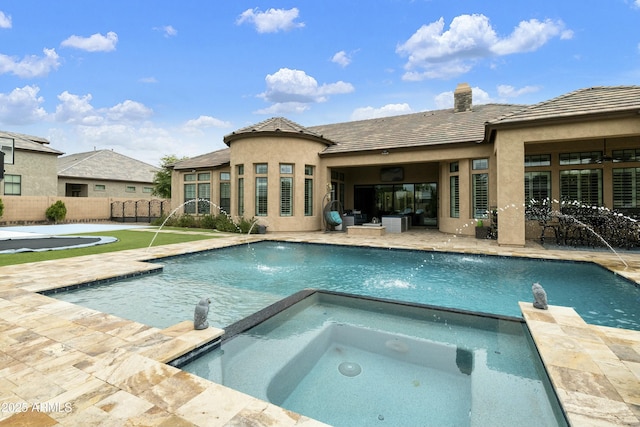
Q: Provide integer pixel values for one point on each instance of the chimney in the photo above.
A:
(462, 98)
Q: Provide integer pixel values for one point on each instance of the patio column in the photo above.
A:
(510, 188)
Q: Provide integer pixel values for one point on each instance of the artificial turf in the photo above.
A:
(127, 239)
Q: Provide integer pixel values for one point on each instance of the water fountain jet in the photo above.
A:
(197, 200)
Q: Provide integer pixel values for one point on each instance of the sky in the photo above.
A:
(149, 79)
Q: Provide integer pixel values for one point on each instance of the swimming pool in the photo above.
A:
(349, 361)
(243, 279)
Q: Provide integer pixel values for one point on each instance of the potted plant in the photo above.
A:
(482, 232)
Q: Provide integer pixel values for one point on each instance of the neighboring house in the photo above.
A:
(443, 169)
(30, 165)
(104, 173)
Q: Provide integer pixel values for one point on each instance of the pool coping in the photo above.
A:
(112, 370)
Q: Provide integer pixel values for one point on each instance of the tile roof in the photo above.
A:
(275, 125)
(30, 142)
(213, 159)
(412, 130)
(105, 165)
(593, 100)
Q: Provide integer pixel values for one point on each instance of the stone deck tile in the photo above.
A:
(110, 370)
(593, 383)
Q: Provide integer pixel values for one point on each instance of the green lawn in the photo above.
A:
(127, 239)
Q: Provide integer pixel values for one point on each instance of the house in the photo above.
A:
(444, 169)
(104, 173)
(36, 177)
(30, 165)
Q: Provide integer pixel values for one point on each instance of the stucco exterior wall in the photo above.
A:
(90, 188)
(178, 182)
(38, 172)
(430, 164)
(512, 144)
(274, 151)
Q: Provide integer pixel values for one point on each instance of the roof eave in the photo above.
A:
(202, 167)
(228, 139)
(567, 118)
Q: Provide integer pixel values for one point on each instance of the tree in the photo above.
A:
(162, 178)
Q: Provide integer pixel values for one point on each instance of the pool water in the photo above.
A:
(352, 362)
(241, 280)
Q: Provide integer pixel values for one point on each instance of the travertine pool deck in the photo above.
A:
(65, 365)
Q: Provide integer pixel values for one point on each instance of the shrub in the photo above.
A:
(224, 223)
(56, 212)
(1, 208)
(208, 222)
(186, 220)
(247, 224)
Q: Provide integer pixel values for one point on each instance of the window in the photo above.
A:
(240, 196)
(189, 194)
(6, 146)
(240, 169)
(480, 188)
(205, 176)
(190, 177)
(130, 189)
(480, 164)
(286, 169)
(582, 185)
(286, 189)
(537, 160)
(261, 196)
(286, 196)
(147, 189)
(261, 168)
(204, 197)
(99, 187)
(308, 190)
(454, 196)
(626, 188)
(454, 167)
(225, 196)
(225, 176)
(12, 185)
(537, 185)
(583, 158)
(632, 155)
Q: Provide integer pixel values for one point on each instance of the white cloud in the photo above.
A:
(22, 106)
(150, 79)
(294, 89)
(77, 110)
(30, 66)
(479, 96)
(365, 113)
(128, 111)
(167, 30)
(283, 108)
(204, 122)
(529, 36)
(95, 43)
(433, 52)
(636, 3)
(271, 21)
(5, 20)
(506, 91)
(341, 58)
